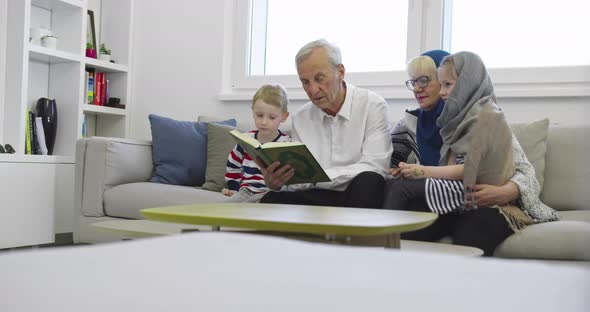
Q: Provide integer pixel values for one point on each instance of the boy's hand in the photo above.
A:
(228, 192)
(413, 171)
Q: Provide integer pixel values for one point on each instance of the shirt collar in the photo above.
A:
(345, 110)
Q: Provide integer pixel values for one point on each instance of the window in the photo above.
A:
(524, 33)
(533, 48)
(360, 28)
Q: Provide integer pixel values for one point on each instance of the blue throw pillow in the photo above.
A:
(179, 150)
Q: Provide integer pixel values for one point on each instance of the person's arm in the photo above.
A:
(523, 182)
(415, 171)
(233, 168)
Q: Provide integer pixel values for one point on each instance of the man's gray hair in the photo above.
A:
(333, 52)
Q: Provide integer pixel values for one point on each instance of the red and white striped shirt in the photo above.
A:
(242, 171)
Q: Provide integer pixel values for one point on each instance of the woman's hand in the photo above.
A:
(485, 195)
(227, 192)
(413, 171)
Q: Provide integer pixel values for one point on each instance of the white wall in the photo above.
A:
(3, 26)
(178, 56)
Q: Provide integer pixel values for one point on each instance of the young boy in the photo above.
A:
(244, 180)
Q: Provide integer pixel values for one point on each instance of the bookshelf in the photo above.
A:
(33, 71)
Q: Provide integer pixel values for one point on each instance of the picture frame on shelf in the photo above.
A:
(90, 35)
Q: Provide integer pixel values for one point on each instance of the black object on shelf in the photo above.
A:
(47, 110)
(9, 149)
(115, 102)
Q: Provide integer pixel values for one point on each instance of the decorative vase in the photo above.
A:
(47, 110)
(49, 42)
(91, 53)
(105, 57)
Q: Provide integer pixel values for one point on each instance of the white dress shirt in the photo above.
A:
(355, 140)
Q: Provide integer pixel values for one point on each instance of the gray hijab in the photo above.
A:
(472, 90)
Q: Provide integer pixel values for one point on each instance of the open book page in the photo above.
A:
(295, 154)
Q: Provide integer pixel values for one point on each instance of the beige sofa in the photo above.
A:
(112, 175)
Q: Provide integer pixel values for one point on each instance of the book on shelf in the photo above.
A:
(40, 136)
(90, 86)
(33, 130)
(86, 77)
(295, 154)
(83, 125)
(98, 88)
(27, 134)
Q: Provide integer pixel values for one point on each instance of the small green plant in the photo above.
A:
(104, 50)
(89, 45)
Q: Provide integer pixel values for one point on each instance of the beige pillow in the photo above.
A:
(533, 139)
(219, 145)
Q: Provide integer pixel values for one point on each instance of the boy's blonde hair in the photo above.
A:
(422, 65)
(272, 94)
(448, 63)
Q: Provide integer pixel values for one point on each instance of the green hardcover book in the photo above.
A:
(295, 154)
(27, 134)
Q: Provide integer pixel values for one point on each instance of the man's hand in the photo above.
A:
(275, 175)
(413, 171)
(395, 171)
(485, 195)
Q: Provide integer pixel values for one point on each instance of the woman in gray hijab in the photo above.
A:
(477, 148)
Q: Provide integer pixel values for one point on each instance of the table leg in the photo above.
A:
(393, 240)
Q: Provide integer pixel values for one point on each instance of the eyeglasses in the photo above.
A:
(421, 81)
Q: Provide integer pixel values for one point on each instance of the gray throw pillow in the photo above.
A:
(219, 145)
(533, 139)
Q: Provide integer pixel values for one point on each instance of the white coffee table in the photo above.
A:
(132, 229)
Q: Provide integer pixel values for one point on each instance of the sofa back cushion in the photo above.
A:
(532, 137)
(219, 145)
(567, 172)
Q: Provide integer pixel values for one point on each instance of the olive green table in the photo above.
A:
(347, 224)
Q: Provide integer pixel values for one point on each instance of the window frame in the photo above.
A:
(428, 28)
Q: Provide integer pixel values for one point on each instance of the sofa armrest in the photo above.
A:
(102, 163)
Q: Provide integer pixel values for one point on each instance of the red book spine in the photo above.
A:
(97, 88)
(103, 94)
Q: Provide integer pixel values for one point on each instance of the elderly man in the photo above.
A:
(346, 128)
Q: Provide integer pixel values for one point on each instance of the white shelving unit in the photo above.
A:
(32, 72)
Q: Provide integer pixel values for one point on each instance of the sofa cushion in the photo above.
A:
(560, 240)
(568, 174)
(219, 145)
(532, 138)
(179, 150)
(126, 200)
(575, 215)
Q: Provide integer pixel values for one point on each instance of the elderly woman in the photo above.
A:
(418, 136)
